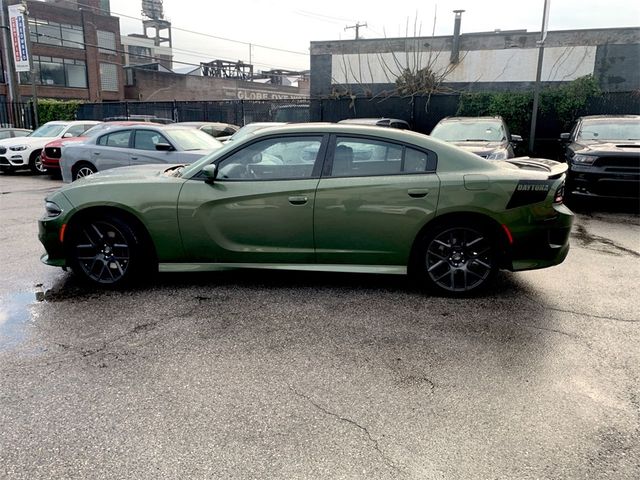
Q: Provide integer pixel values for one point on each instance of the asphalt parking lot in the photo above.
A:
(290, 375)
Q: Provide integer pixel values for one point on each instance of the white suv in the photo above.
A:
(24, 152)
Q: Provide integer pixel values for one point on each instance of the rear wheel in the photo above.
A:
(106, 250)
(83, 170)
(35, 163)
(457, 259)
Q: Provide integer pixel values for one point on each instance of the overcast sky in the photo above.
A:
(292, 24)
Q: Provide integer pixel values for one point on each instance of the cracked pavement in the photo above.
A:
(298, 375)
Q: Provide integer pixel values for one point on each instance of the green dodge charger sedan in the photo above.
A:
(316, 197)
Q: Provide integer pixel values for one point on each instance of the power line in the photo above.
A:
(109, 12)
(115, 50)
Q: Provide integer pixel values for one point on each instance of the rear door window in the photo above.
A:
(364, 157)
(118, 139)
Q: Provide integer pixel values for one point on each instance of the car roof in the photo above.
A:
(14, 128)
(371, 121)
(610, 117)
(342, 129)
(469, 119)
(217, 124)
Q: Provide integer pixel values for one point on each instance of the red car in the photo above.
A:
(52, 151)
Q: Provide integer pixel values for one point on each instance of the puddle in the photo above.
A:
(15, 317)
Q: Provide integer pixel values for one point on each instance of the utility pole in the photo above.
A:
(357, 28)
(34, 88)
(7, 60)
(536, 91)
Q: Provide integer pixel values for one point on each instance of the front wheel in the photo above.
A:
(456, 259)
(106, 251)
(35, 163)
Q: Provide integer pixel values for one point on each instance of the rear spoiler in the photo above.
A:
(555, 169)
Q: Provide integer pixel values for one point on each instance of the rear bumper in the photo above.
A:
(544, 246)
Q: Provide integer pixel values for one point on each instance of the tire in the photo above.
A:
(35, 163)
(83, 169)
(456, 259)
(106, 250)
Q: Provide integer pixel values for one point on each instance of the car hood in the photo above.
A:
(59, 142)
(140, 173)
(622, 147)
(29, 141)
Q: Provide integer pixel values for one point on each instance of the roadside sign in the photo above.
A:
(19, 38)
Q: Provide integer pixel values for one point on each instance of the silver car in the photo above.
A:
(135, 145)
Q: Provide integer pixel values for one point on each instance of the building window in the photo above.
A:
(138, 54)
(52, 33)
(105, 7)
(106, 42)
(63, 72)
(109, 77)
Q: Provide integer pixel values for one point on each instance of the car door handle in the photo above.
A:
(134, 158)
(298, 199)
(418, 192)
(96, 153)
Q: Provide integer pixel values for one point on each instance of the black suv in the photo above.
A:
(487, 137)
(603, 153)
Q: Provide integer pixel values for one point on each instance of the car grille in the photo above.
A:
(632, 162)
(3, 150)
(53, 152)
(611, 188)
(4, 161)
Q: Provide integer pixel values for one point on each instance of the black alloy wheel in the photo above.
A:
(105, 251)
(459, 260)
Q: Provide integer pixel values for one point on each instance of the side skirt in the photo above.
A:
(216, 267)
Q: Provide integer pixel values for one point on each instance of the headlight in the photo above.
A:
(583, 159)
(498, 155)
(52, 209)
(18, 148)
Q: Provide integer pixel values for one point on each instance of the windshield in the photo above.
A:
(192, 139)
(610, 130)
(97, 128)
(489, 131)
(48, 130)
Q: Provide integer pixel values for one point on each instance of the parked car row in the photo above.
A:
(603, 152)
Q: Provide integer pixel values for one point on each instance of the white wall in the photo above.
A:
(506, 65)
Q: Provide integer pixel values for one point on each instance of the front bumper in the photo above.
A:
(50, 237)
(602, 181)
(51, 231)
(50, 163)
(545, 245)
(13, 160)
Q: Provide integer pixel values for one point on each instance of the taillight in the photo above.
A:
(558, 197)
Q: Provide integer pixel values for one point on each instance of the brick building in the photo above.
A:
(76, 51)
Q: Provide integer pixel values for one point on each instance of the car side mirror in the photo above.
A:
(565, 137)
(67, 135)
(516, 138)
(164, 147)
(210, 172)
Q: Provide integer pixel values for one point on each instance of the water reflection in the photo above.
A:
(15, 316)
